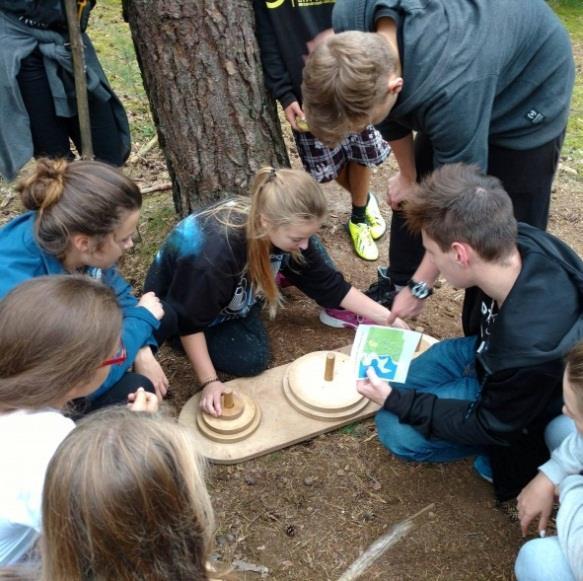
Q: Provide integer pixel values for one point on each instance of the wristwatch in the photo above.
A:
(420, 290)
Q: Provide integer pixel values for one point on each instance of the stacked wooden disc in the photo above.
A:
(240, 418)
(321, 385)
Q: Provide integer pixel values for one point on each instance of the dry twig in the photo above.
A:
(381, 545)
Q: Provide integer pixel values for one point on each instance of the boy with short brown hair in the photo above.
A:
(486, 82)
(494, 391)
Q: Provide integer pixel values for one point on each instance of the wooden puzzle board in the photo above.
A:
(281, 425)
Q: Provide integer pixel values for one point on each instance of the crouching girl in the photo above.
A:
(83, 216)
(215, 265)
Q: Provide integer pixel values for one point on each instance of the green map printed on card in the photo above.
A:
(387, 350)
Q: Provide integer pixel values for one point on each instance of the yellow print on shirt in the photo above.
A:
(298, 3)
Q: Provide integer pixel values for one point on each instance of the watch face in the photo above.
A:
(420, 290)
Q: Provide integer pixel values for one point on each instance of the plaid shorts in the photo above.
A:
(325, 164)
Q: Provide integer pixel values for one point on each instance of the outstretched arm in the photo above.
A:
(359, 303)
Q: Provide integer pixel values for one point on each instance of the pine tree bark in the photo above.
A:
(216, 123)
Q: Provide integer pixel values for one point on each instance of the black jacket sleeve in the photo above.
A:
(510, 401)
(277, 78)
(316, 278)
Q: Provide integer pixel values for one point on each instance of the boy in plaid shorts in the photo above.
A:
(285, 31)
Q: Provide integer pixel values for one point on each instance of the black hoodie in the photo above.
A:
(519, 364)
(284, 31)
(44, 13)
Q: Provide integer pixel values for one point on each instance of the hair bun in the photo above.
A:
(42, 187)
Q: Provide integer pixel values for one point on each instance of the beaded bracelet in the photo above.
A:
(208, 382)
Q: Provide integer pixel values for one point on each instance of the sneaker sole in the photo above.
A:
(332, 322)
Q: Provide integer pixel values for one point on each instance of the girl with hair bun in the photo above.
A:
(81, 219)
(216, 264)
(48, 357)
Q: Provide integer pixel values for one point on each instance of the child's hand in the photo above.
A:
(210, 400)
(146, 364)
(536, 498)
(400, 190)
(152, 303)
(292, 111)
(400, 324)
(373, 388)
(143, 401)
(405, 305)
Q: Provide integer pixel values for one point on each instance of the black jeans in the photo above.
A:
(50, 133)
(527, 176)
(240, 347)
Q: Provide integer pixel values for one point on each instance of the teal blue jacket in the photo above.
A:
(21, 258)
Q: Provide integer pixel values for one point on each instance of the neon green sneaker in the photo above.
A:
(375, 221)
(362, 240)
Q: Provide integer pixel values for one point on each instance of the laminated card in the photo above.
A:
(387, 350)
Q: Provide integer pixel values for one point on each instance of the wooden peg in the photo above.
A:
(228, 399)
(329, 371)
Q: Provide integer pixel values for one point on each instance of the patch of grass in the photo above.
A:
(349, 429)
(113, 43)
(571, 13)
(275, 457)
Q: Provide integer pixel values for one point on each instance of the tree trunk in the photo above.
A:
(216, 123)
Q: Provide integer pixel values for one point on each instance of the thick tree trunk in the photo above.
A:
(201, 69)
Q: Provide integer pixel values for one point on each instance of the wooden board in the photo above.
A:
(281, 425)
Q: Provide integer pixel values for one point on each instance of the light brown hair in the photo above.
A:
(459, 203)
(54, 333)
(344, 79)
(77, 197)
(574, 371)
(283, 197)
(125, 499)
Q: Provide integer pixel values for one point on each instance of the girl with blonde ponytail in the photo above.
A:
(81, 218)
(216, 264)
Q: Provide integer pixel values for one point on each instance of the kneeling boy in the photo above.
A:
(492, 393)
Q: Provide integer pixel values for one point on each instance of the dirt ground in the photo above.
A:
(308, 511)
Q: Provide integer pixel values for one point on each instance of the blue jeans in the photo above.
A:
(447, 370)
(541, 560)
(557, 430)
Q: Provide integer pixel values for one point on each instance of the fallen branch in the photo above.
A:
(161, 187)
(380, 546)
(143, 150)
(244, 566)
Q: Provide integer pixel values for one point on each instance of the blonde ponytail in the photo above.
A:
(281, 197)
